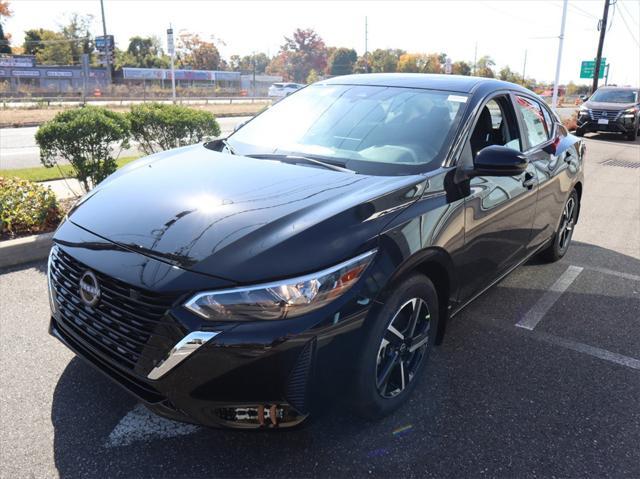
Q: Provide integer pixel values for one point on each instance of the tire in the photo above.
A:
(631, 135)
(400, 361)
(579, 132)
(562, 237)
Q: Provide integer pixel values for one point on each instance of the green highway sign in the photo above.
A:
(588, 66)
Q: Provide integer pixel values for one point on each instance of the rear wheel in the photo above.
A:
(562, 237)
(396, 348)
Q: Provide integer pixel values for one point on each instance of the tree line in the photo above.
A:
(303, 57)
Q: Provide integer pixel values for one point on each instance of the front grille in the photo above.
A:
(120, 325)
(608, 114)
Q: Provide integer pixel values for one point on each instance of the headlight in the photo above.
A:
(283, 299)
(630, 112)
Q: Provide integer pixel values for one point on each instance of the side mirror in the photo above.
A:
(497, 160)
(584, 97)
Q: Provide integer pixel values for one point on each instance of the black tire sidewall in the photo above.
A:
(367, 401)
(555, 253)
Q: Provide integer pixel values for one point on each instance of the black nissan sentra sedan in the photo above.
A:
(318, 251)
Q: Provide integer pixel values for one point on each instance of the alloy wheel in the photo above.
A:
(566, 224)
(403, 347)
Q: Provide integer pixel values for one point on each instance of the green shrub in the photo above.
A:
(26, 207)
(86, 137)
(157, 126)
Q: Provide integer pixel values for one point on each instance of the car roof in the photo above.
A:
(457, 83)
(613, 87)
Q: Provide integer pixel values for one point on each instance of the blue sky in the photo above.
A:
(501, 29)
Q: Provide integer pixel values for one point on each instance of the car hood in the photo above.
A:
(601, 105)
(242, 219)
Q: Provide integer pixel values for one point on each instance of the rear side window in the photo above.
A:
(537, 130)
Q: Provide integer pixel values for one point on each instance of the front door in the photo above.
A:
(499, 211)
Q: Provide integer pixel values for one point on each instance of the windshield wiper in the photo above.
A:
(228, 146)
(299, 159)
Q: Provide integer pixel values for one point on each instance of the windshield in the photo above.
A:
(615, 96)
(368, 129)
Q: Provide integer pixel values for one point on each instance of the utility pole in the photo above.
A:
(366, 46)
(475, 59)
(603, 30)
(606, 74)
(524, 67)
(554, 99)
(107, 52)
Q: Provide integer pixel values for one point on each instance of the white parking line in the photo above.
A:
(590, 350)
(620, 274)
(548, 299)
(140, 424)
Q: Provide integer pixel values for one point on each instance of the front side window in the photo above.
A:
(496, 125)
(535, 127)
(368, 129)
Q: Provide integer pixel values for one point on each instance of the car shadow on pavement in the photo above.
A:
(494, 401)
(612, 137)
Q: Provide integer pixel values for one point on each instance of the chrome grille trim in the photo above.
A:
(120, 325)
(597, 114)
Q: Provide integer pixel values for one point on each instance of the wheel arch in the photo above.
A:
(436, 264)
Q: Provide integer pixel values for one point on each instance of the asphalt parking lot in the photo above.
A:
(539, 377)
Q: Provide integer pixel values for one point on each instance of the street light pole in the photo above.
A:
(107, 53)
(366, 45)
(172, 49)
(554, 100)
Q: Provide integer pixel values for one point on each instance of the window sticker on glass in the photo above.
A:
(458, 98)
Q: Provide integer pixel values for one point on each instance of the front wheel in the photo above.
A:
(562, 237)
(397, 346)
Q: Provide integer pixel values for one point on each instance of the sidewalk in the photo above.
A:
(65, 188)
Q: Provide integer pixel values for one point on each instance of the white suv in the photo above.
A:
(283, 89)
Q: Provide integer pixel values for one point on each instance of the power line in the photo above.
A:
(583, 12)
(622, 4)
(629, 29)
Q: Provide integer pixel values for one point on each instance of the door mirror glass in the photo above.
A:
(498, 160)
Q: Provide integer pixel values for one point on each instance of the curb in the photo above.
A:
(24, 250)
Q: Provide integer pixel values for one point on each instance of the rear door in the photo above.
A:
(499, 211)
(553, 157)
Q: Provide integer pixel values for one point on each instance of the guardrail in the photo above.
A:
(48, 101)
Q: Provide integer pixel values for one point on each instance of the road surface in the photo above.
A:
(497, 400)
(18, 147)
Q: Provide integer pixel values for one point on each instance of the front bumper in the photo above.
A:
(617, 124)
(244, 375)
(189, 394)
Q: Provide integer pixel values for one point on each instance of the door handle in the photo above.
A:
(567, 157)
(529, 180)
